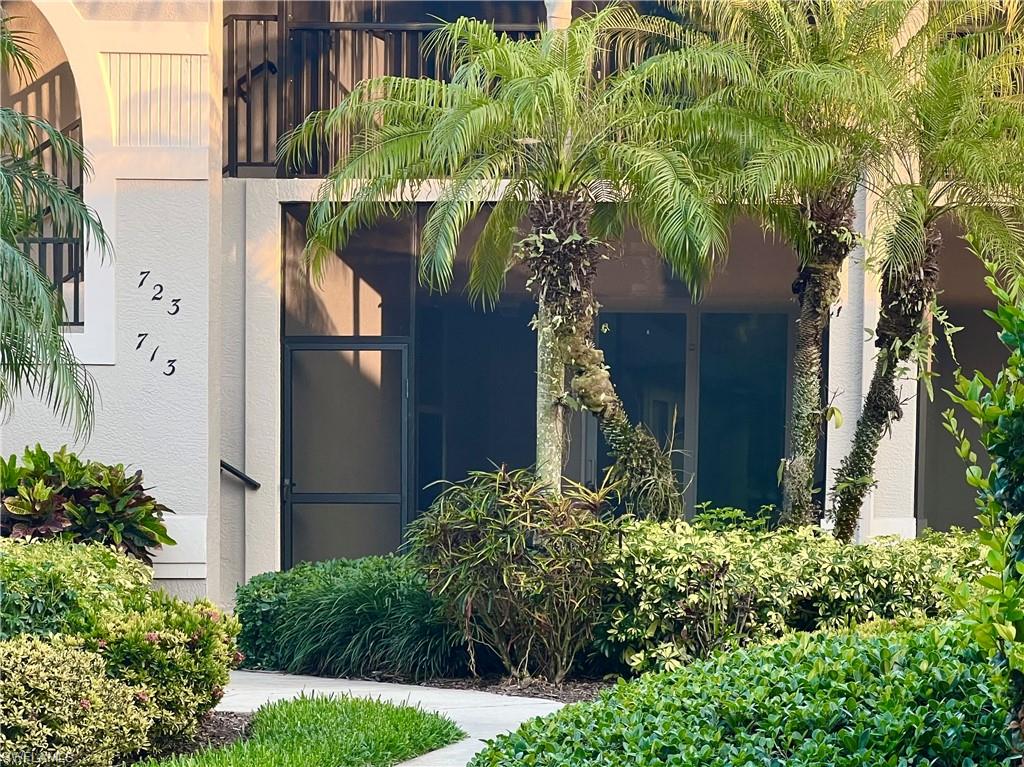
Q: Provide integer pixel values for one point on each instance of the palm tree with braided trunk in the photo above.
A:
(963, 123)
(536, 128)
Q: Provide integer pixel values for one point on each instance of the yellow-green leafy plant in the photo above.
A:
(62, 587)
(995, 468)
(679, 592)
(519, 569)
(179, 652)
(58, 706)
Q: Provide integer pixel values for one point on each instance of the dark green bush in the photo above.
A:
(260, 604)
(64, 587)
(369, 617)
(679, 592)
(518, 568)
(58, 706)
(899, 700)
(63, 496)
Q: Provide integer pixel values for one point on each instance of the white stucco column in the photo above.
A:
(889, 508)
(559, 13)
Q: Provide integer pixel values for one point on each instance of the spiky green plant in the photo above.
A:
(962, 123)
(535, 127)
(35, 356)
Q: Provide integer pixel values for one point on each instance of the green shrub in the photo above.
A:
(58, 586)
(518, 568)
(925, 698)
(63, 496)
(708, 517)
(369, 617)
(336, 731)
(179, 652)
(57, 706)
(678, 592)
(995, 604)
(260, 605)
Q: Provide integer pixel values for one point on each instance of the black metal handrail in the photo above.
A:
(274, 77)
(240, 475)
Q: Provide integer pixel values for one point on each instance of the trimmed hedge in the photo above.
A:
(900, 699)
(679, 592)
(179, 652)
(59, 586)
(175, 654)
(369, 617)
(57, 706)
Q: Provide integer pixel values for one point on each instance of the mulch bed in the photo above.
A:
(568, 692)
(220, 728)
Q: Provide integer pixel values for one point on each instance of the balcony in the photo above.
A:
(60, 258)
(276, 74)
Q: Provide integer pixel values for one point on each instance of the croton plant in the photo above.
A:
(61, 495)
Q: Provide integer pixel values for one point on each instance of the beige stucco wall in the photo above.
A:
(147, 77)
(155, 421)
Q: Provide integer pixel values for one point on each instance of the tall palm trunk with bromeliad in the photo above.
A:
(537, 131)
(563, 261)
(964, 125)
(818, 116)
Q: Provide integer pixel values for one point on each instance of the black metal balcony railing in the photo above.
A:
(60, 258)
(275, 77)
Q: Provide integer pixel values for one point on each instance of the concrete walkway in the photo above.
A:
(481, 715)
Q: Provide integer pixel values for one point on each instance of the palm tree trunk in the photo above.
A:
(563, 262)
(817, 289)
(550, 410)
(907, 295)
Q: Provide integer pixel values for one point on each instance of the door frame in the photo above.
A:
(287, 499)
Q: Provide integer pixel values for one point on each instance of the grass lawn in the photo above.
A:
(336, 731)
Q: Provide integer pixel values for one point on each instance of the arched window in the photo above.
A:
(53, 97)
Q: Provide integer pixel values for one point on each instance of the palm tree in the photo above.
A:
(35, 356)
(534, 126)
(962, 125)
(816, 118)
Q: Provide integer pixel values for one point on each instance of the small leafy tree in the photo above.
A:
(995, 607)
(962, 129)
(34, 353)
(536, 127)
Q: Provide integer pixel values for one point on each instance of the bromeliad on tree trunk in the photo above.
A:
(908, 294)
(563, 259)
(817, 291)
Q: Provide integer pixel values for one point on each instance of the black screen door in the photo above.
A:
(346, 442)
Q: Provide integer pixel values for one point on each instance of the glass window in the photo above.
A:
(365, 290)
(350, 530)
(742, 418)
(647, 357)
